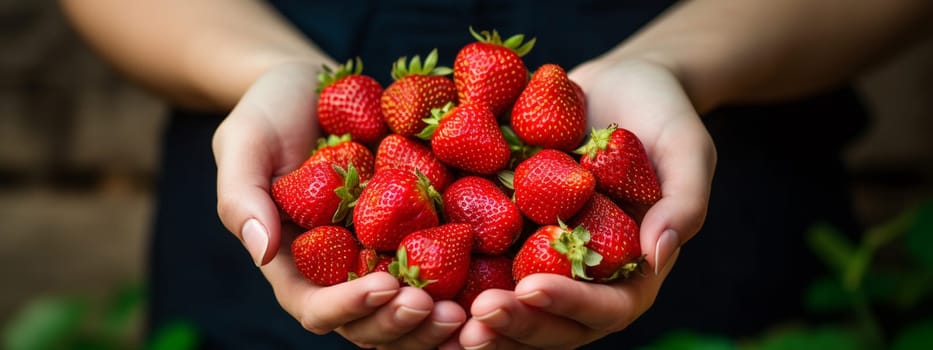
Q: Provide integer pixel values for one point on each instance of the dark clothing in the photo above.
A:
(779, 171)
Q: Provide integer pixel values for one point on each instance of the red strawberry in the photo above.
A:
(326, 255)
(623, 171)
(467, 137)
(340, 151)
(416, 90)
(549, 112)
(399, 152)
(491, 72)
(555, 249)
(349, 103)
(486, 272)
(435, 259)
(495, 219)
(551, 186)
(614, 235)
(317, 194)
(392, 205)
(372, 261)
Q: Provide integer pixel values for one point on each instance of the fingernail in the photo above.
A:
(536, 298)
(443, 329)
(408, 315)
(256, 240)
(667, 243)
(375, 299)
(484, 346)
(496, 319)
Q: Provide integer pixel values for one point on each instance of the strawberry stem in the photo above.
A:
(513, 43)
(572, 244)
(403, 68)
(409, 274)
(348, 194)
(329, 76)
(434, 120)
(599, 140)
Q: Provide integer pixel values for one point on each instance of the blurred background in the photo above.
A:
(79, 150)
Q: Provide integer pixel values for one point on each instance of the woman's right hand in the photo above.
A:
(270, 132)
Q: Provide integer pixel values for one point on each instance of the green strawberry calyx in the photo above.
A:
(520, 150)
(572, 244)
(627, 269)
(403, 68)
(409, 274)
(348, 194)
(330, 76)
(514, 43)
(599, 140)
(437, 200)
(434, 120)
(332, 140)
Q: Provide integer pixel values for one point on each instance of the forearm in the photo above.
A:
(739, 51)
(202, 54)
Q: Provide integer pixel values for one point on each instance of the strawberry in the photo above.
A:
(551, 186)
(435, 259)
(400, 152)
(549, 112)
(614, 235)
(348, 103)
(392, 205)
(317, 194)
(341, 151)
(326, 255)
(490, 71)
(623, 171)
(486, 272)
(416, 90)
(371, 261)
(495, 219)
(555, 249)
(467, 137)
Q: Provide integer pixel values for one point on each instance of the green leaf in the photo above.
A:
(920, 236)
(690, 340)
(177, 335)
(819, 338)
(45, 323)
(831, 246)
(918, 336)
(827, 295)
(125, 310)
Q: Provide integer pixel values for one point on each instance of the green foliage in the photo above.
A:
(916, 337)
(45, 323)
(920, 237)
(178, 335)
(689, 340)
(889, 268)
(816, 338)
(76, 322)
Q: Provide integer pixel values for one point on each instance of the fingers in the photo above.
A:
(685, 179)
(323, 309)
(444, 321)
(396, 318)
(244, 170)
(550, 311)
(270, 130)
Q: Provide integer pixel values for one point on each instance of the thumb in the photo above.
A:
(244, 171)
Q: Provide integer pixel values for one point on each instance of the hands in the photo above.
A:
(549, 311)
(272, 129)
(270, 132)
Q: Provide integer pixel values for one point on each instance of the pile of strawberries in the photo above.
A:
(465, 184)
